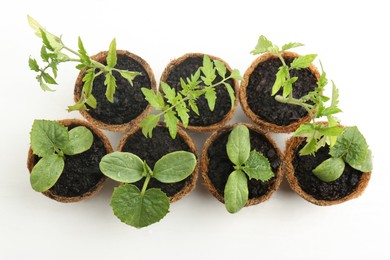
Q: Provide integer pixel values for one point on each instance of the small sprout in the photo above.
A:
(141, 208)
(175, 106)
(55, 52)
(52, 141)
(247, 163)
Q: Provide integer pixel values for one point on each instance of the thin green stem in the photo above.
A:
(297, 102)
(145, 184)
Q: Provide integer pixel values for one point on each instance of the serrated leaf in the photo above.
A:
(304, 129)
(281, 77)
(80, 105)
(46, 172)
(291, 45)
(287, 88)
(45, 40)
(110, 83)
(208, 71)
(148, 124)
(171, 121)
(80, 140)
(263, 45)
(174, 167)
(310, 148)
(329, 111)
(211, 97)
(43, 86)
(330, 131)
(111, 56)
(154, 99)
(182, 112)
(302, 62)
(236, 75)
(47, 136)
(236, 191)
(122, 167)
(330, 169)
(48, 79)
(258, 167)
(335, 96)
(91, 101)
(33, 64)
(138, 210)
(238, 145)
(129, 75)
(193, 106)
(169, 92)
(232, 94)
(84, 55)
(88, 81)
(221, 68)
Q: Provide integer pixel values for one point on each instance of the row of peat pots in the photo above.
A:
(231, 157)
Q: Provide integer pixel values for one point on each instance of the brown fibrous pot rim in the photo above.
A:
(243, 100)
(101, 57)
(205, 162)
(107, 145)
(173, 63)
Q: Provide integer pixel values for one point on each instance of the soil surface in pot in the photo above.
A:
(260, 101)
(81, 172)
(343, 186)
(223, 103)
(151, 150)
(129, 102)
(220, 167)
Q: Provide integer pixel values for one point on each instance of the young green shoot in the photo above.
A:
(175, 105)
(316, 104)
(54, 52)
(141, 208)
(247, 164)
(52, 141)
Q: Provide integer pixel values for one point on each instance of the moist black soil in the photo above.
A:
(223, 104)
(129, 102)
(220, 167)
(264, 105)
(321, 190)
(151, 150)
(81, 172)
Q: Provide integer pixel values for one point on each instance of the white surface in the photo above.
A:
(351, 39)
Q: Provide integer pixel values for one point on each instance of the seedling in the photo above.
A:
(141, 208)
(55, 52)
(174, 106)
(52, 141)
(247, 163)
(347, 145)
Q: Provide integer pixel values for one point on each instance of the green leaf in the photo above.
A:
(323, 79)
(111, 56)
(84, 55)
(46, 41)
(335, 96)
(46, 172)
(232, 94)
(138, 210)
(33, 64)
(88, 79)
(330, 169)
(310, 148)
(211, 97)
(169, 92)
(236, 191)
(174, 167)
(304, 130)
(236, 75)
(155, 99)
(48, 79)
(263, 45)
(221, 69)
(302, 62)
(291, 45)
(47, 136)
(91, 101)
(193, 106)
(80, 105)
(182, 112)
(366, 165)
(258, 167)
(281, 77)
(352, 146)
(110, 82)
(208, 71)
(43, 86)
(330, 131)
(129, 75)
(148, 124)
(80, 140)
(171, 121)
(238, 145)
(122, 167)
(330, 111)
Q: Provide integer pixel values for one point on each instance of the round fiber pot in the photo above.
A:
(81, 177)
(216, 166)
(207, 120)
(129, 106)
(152, 149)
(262, 108)
(350, 185)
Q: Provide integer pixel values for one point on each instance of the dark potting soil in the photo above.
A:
(206, 117)
(343, 186)
(129, 102)
(81, 172)
(264, 105)
(151, 150)
(220, 167)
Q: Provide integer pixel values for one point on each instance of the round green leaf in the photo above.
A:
(366, 164)
(46, 172)
(236, 191)
(258, 167)
(174, 167)
(80, 140)
(238, 145)
(122, 167)
(138, 210)
(330, 169)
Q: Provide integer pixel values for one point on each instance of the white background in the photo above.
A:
(351, 38)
